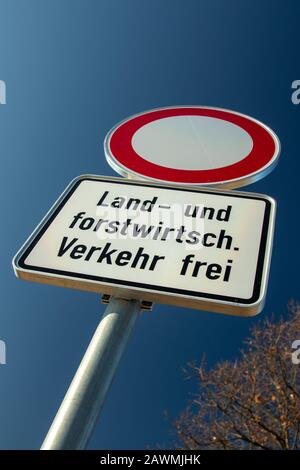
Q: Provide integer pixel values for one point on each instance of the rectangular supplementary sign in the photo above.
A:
(192, 247)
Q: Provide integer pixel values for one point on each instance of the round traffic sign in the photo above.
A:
(192, 145)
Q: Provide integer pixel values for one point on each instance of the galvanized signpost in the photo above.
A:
(163, 234)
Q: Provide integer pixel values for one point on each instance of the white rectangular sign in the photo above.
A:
(199, 248)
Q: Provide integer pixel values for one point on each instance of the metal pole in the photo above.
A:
(78, 413)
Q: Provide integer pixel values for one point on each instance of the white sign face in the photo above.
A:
(205, 249)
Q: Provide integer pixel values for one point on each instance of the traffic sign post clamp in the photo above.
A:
(144, 304)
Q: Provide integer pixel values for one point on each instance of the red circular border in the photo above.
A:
(261, 154)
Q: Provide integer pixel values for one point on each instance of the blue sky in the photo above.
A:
(72, 70)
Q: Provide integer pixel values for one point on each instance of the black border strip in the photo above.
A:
(149, 287)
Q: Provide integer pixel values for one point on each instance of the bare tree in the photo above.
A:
(252, 403)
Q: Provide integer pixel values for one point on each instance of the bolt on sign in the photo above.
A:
(200, 248)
